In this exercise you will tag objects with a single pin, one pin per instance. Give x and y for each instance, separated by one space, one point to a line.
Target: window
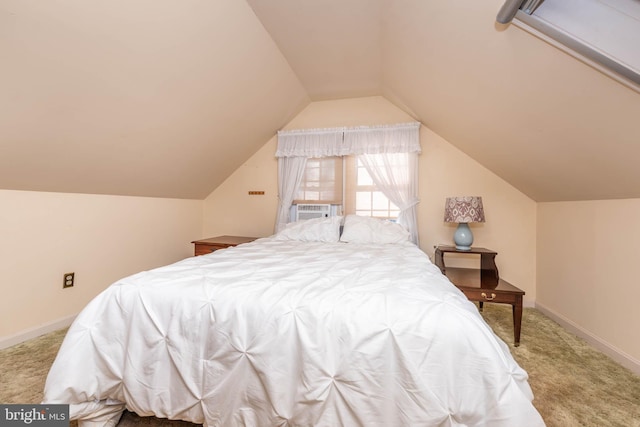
323 182
601 33
390 152
363 197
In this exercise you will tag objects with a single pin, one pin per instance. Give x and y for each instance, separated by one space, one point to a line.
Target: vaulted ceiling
165 98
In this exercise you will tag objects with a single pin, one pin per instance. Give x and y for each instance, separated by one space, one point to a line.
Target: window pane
363 200
363 177
380 201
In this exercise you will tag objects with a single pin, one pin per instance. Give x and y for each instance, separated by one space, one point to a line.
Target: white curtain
294 147
396 175
389 152
290 173
390 155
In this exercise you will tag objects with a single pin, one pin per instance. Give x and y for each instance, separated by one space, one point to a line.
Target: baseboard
616 354
28 334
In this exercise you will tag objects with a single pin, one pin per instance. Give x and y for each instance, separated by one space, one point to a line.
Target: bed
304 328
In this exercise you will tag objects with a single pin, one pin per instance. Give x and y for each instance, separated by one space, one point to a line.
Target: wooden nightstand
483 284
212 244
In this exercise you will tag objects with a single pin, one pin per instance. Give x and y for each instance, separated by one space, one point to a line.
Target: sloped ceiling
136 97
164 98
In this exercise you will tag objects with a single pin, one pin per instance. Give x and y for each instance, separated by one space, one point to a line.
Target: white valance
310 143
399 138
403 138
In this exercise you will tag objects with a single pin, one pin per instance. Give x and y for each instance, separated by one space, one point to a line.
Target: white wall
100 238
229 209
587 254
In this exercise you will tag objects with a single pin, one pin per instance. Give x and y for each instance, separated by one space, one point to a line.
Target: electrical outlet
68 280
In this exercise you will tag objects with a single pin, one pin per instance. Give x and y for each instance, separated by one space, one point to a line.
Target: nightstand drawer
488 295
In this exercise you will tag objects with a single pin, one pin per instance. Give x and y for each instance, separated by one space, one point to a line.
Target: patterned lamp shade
464 209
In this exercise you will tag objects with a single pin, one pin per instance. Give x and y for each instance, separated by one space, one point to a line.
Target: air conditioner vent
310 211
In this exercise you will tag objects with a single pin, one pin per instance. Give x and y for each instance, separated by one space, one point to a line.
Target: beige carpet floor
574 385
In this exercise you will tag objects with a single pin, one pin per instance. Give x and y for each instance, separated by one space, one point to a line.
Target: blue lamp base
463 237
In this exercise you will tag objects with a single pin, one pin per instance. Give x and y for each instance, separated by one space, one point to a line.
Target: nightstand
212 244
483 284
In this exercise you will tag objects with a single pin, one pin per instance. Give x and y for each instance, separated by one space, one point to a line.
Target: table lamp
463 210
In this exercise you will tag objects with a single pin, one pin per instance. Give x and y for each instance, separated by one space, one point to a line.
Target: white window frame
390 212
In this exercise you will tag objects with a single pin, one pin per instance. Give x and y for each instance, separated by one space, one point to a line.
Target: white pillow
363 229
312 230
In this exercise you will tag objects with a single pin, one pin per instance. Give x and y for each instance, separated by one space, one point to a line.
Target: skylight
604 33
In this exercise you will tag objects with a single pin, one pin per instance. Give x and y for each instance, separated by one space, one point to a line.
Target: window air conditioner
304 211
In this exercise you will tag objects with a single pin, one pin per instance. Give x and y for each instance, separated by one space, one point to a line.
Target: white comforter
287 333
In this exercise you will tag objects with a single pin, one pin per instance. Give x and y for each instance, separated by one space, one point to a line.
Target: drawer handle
483 295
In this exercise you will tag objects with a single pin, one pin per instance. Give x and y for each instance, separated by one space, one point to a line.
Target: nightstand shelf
212 244
483 284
